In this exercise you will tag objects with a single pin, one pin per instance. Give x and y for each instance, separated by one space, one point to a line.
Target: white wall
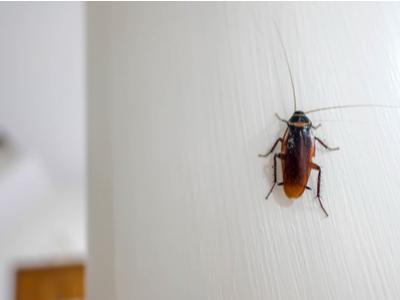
182 99
42 174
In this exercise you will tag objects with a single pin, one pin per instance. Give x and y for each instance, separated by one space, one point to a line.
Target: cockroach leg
318 168
325 145
280 119
308 188
272 149
316 127
277 155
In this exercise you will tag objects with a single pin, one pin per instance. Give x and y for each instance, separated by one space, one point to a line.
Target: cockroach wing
297 151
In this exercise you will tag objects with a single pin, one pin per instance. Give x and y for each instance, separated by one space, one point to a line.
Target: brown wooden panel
62 282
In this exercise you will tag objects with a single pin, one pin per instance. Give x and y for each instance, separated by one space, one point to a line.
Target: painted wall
182 99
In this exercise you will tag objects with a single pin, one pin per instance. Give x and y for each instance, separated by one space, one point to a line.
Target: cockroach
298 146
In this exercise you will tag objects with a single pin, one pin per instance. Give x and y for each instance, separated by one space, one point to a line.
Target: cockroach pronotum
298 146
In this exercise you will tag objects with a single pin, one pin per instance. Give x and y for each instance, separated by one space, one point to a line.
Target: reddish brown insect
298 147
297 152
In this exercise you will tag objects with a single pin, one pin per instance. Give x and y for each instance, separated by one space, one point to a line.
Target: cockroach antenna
288 65
351 106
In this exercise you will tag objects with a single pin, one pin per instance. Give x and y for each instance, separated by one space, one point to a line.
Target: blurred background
42 157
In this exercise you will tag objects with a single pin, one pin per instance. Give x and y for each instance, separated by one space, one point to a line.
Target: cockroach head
299 119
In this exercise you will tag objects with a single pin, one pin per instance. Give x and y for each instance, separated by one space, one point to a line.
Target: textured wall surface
189 93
